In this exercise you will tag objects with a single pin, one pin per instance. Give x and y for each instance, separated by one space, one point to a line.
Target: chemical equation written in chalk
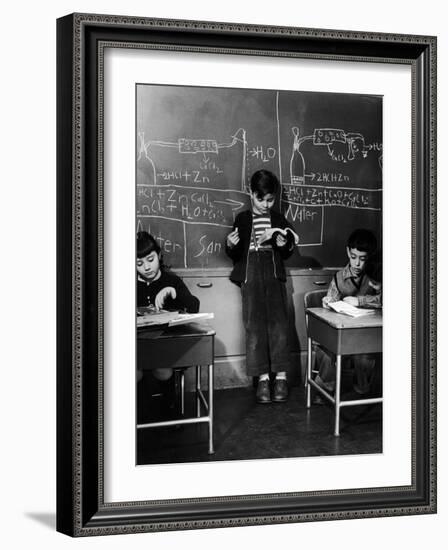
190 204
193 187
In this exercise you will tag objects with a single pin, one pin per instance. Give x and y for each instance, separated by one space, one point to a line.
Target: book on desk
150 317
348 309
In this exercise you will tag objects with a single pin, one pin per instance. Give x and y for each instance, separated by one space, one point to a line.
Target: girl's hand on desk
352 300
163 295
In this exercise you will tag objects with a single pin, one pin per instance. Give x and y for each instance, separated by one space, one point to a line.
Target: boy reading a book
259 242
354 285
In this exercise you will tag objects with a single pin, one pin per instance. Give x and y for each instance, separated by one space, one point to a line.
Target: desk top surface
342 321
181 331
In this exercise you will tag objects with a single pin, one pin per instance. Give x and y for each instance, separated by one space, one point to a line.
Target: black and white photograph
258 273
246 275
222 301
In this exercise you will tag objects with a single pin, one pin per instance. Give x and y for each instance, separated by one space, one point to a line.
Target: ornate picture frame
81 507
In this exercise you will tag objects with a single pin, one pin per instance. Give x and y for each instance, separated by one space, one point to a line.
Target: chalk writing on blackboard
190 188
299 193
188 146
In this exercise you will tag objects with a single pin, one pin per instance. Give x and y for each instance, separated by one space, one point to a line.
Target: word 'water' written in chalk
172 242
187 204
168 246
332 196
301 214
309 222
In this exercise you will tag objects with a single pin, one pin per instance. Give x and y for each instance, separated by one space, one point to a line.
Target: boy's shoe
364 392
280 391
317 399
263 394
327 386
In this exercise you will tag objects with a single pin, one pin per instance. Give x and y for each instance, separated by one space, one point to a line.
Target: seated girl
158 287
155 284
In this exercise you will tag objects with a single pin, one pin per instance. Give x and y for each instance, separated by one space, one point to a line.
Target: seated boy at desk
158 287
355 285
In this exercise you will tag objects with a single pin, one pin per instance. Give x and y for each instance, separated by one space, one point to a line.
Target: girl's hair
263 183
363 240
146 244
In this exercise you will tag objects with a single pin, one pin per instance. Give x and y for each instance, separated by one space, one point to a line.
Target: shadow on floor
244 430
48 519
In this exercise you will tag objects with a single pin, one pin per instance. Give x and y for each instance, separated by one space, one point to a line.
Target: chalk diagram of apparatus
200 194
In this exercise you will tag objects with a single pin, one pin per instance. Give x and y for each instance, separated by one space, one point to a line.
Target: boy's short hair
263 183
146 244
363 240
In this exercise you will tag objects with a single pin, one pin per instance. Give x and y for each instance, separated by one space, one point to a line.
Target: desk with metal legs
179 348
342 335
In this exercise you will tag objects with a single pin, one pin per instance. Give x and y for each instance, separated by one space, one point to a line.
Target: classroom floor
246 430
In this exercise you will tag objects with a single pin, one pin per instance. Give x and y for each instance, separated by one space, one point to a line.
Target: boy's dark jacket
239 252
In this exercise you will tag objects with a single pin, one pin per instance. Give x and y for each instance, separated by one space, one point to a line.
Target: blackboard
197 147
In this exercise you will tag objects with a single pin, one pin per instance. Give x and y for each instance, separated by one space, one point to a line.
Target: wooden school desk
181 347
342 335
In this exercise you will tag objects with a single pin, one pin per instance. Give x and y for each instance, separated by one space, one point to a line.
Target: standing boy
259 242
356 287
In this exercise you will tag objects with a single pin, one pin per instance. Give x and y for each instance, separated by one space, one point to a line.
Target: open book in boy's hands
288 233
347 309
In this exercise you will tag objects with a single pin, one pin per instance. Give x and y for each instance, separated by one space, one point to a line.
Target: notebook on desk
149 317
347 309
183 318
